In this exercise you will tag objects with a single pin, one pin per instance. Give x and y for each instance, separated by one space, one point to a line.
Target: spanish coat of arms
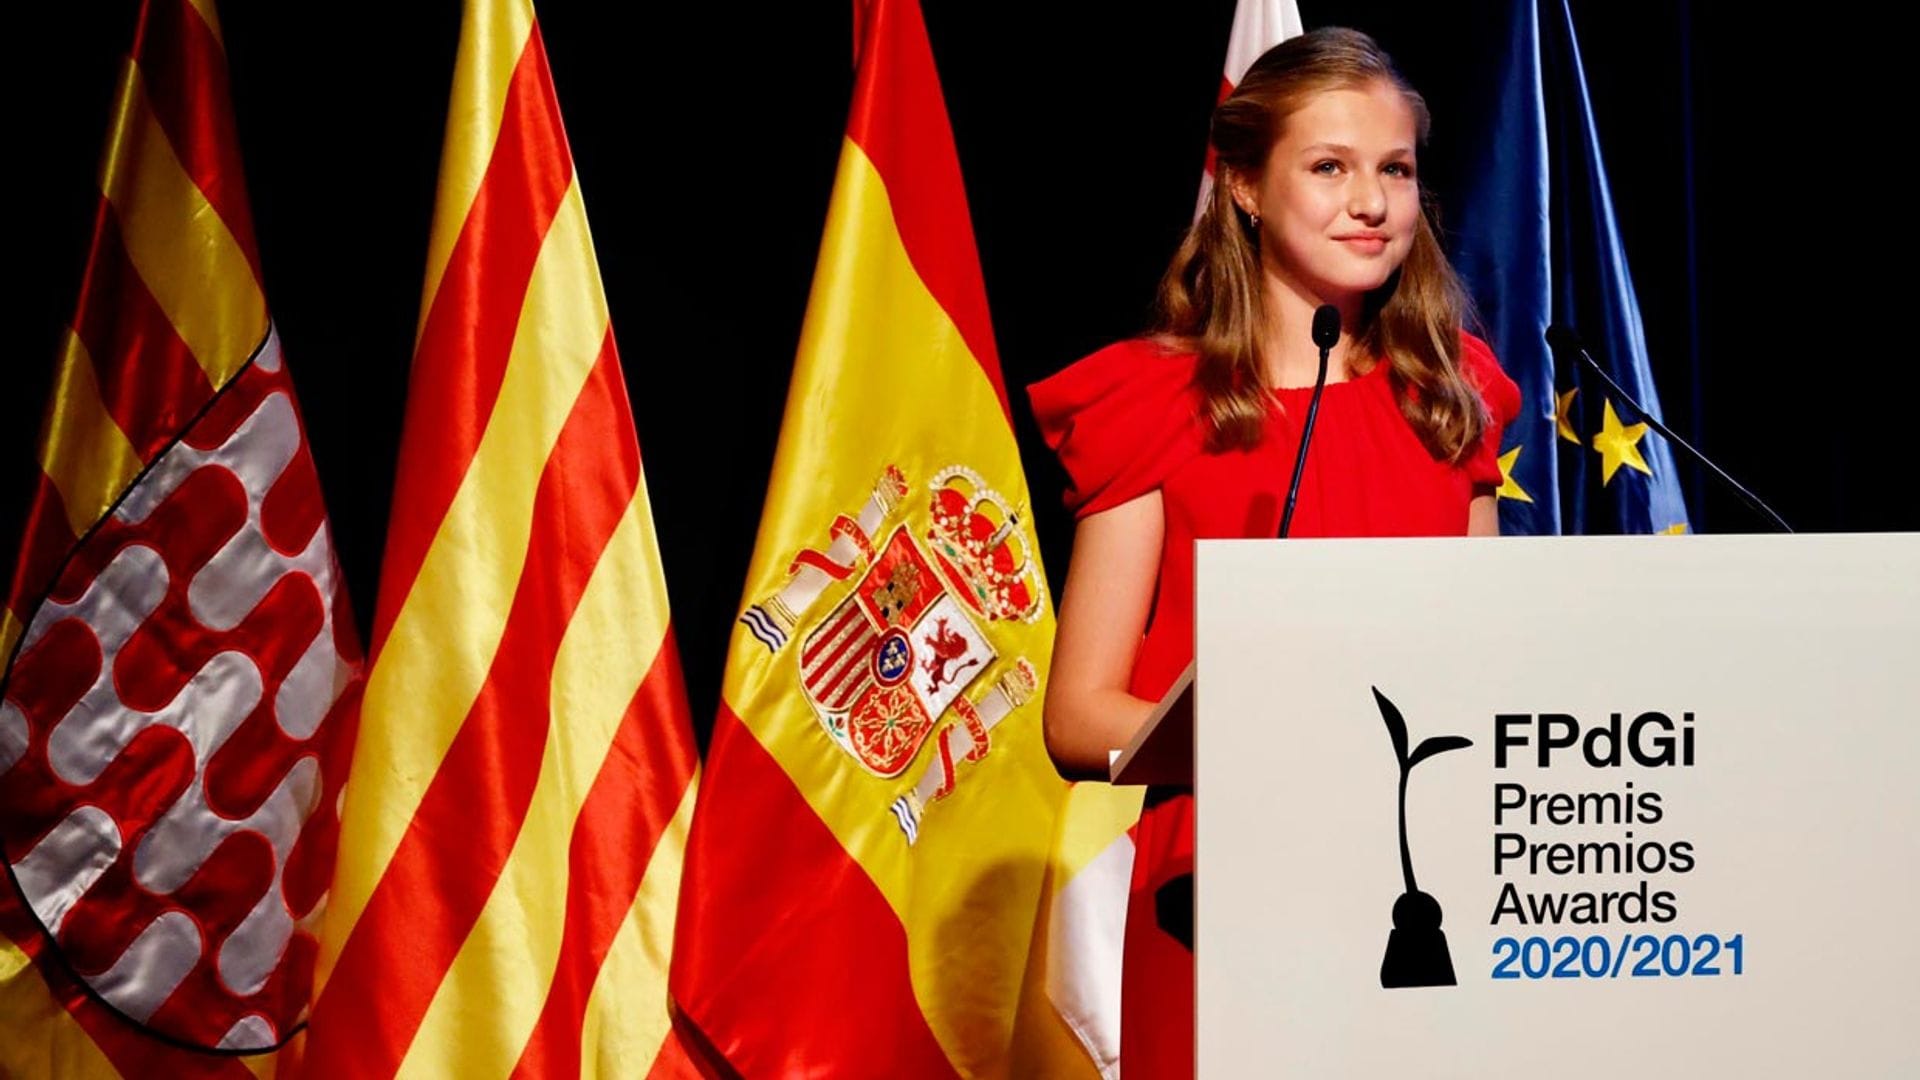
892 664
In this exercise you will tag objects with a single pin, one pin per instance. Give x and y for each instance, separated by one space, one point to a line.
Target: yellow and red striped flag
182 673
866 861
511 840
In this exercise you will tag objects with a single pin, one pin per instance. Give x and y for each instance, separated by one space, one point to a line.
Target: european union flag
1538 244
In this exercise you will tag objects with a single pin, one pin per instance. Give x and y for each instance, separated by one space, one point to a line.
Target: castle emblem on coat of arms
906 654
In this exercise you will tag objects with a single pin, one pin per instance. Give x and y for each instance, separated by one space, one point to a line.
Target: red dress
1125 421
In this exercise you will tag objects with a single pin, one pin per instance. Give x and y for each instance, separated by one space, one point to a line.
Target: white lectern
1571 807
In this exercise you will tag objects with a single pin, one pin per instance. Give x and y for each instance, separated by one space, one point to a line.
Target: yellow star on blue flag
1563 417
1509 487
1618 444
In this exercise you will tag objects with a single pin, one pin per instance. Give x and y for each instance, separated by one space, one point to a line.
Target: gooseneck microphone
1326 334
1563 339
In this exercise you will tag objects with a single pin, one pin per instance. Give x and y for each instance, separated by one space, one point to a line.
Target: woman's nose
1367 199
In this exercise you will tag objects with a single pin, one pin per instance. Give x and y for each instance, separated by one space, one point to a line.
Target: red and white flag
1258 25
182 670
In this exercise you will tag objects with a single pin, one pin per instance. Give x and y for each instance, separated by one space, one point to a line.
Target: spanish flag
512 834
874 826
181 669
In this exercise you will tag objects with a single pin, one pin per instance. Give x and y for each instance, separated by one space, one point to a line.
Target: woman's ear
1242 189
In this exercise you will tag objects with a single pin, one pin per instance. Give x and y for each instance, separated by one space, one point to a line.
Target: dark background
1756 167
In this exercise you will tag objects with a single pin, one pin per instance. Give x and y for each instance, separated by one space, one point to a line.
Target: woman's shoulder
1482 368
1502 397
1121 419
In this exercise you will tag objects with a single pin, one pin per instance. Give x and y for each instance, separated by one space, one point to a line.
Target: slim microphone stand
1306 437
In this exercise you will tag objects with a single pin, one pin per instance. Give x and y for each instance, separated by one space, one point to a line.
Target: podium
1566 806
1161 752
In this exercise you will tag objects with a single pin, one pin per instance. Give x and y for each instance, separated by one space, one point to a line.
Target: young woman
1192 432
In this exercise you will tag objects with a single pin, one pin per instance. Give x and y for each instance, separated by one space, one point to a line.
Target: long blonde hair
1211 299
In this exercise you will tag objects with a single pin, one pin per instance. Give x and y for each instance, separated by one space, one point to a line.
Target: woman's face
1338 200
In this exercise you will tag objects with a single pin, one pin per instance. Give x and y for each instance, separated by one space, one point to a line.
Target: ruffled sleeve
1121 420
1502 398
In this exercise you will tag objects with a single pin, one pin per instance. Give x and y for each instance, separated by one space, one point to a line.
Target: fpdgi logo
1417 948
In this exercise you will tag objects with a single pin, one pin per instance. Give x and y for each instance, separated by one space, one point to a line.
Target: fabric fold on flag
511 846
182 673
1538 243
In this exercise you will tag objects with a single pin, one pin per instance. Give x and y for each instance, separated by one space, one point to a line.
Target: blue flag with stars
1538 244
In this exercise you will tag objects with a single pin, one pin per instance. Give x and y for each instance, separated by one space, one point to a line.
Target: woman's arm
1103 613
1483 516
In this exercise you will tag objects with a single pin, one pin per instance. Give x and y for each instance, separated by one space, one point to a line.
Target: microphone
1562 339
1326 334
1326 327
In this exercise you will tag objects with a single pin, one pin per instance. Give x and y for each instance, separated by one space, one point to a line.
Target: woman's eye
1399 168
1326 168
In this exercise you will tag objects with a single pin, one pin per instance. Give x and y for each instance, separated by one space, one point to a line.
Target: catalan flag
182 672
511 839
866 863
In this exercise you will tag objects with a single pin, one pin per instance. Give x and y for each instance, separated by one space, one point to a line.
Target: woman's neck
1287 352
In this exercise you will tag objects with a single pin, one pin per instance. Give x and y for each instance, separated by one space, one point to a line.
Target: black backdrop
1754 165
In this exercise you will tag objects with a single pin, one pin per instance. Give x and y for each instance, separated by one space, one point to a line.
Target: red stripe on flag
900 120
819 681
828 635
185 71
633 799
48 538
469 329
674 1062
846 695
149 381
458 841
128 1047
853 666
761 865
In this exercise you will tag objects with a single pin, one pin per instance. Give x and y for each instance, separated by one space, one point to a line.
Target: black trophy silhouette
1417 948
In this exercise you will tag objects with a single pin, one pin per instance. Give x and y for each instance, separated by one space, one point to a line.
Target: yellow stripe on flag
437 655
1095 815
10 629
212 19
880 354
83 450
41 1037
185 254
490 50
627 1017
491 997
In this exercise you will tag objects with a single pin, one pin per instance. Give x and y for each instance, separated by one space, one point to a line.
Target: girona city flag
866 861
181 669
511 840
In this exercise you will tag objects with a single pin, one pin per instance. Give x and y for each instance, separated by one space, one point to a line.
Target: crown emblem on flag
895 626
980 546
